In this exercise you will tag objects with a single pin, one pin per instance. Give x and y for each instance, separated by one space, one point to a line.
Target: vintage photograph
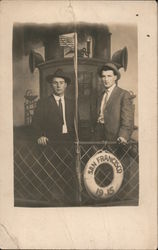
75 114
78 100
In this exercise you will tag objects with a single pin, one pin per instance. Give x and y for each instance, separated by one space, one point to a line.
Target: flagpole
78 165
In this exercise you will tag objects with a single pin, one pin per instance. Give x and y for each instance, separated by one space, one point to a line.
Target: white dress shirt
105 96
57 98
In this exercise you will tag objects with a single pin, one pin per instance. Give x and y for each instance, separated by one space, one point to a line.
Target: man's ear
115 77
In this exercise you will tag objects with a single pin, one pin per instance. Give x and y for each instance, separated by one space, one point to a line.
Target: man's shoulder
122 91
69 99
44 102
45 99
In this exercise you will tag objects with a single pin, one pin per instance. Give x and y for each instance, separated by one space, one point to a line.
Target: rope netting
47 176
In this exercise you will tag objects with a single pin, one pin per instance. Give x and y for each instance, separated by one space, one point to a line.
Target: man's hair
105 68
58 77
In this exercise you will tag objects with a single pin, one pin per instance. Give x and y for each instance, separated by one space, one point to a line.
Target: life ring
103 159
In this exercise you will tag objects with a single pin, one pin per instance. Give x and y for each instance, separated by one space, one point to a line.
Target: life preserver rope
106 158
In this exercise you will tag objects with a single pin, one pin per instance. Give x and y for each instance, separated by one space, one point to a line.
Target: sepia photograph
78 112
75 115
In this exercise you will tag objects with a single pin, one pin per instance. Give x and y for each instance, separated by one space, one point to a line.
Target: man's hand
42 140
121 140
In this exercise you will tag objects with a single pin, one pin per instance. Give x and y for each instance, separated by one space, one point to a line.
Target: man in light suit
114 108
54 116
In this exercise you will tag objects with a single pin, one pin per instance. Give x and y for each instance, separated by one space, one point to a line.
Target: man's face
58 86
108 78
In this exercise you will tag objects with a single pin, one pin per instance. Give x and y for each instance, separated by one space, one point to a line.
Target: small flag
67 40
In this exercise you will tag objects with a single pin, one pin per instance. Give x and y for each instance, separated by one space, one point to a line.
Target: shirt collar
57 98
111 88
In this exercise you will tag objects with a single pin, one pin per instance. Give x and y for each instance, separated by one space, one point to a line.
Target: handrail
105 142
19 141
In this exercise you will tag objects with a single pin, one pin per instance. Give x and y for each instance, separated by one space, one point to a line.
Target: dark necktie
61 111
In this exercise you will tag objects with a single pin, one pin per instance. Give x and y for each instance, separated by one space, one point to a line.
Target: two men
54 116
115 109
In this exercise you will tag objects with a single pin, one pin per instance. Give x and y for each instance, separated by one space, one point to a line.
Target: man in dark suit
114 108
54 116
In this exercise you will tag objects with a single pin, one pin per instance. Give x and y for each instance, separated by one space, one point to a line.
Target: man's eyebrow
107 75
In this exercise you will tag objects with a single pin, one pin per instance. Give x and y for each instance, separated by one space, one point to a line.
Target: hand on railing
42 140
121 140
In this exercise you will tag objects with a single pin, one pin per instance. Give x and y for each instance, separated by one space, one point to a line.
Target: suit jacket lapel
53 105
112 96
99 102
68 109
